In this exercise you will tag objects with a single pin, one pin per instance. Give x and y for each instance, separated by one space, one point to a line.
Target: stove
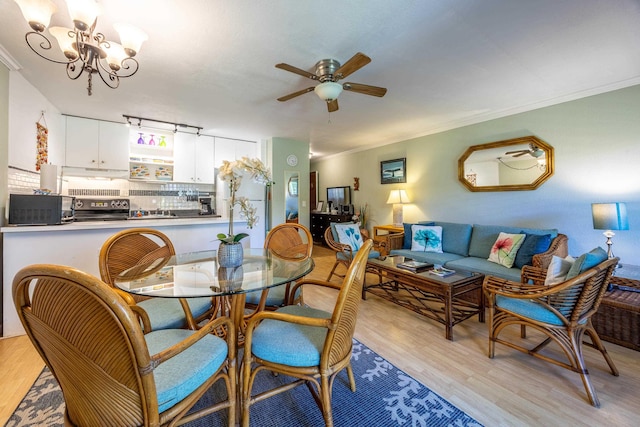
101 209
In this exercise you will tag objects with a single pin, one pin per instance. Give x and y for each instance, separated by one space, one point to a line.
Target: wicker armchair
562 312
345 254
289 241
139 246
305 343
111 373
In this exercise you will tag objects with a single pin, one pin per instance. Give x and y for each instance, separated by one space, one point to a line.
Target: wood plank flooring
512 389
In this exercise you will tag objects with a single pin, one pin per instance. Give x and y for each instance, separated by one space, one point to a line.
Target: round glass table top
197 274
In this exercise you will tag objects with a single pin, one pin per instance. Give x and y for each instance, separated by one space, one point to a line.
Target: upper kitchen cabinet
194 159
234 149
96 144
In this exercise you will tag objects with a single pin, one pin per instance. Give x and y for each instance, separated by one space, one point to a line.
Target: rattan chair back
93 344
290 241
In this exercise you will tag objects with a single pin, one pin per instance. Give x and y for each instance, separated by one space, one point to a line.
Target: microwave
40 209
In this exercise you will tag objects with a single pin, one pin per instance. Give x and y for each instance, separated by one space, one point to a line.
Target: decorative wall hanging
356 183
42 142
393 171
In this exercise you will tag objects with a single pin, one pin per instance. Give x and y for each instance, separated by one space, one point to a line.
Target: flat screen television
339 196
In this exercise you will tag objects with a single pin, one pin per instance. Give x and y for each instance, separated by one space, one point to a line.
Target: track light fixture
84 48
175 125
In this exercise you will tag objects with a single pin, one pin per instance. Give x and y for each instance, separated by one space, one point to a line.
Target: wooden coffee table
448 300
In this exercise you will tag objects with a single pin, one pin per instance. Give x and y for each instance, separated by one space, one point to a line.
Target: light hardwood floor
512 389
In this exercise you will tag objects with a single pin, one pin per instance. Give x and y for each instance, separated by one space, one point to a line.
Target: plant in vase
360 217
230 251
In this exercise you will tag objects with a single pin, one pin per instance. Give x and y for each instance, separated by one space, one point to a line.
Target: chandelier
85 49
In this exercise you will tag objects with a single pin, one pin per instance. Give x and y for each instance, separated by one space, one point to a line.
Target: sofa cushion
533 244
485 267
505 248
426 238
430 257
406 243
455 237
587 261
484 236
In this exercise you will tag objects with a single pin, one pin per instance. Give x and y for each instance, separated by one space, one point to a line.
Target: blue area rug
385 396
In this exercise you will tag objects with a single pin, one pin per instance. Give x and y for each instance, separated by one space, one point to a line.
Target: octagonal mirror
512 165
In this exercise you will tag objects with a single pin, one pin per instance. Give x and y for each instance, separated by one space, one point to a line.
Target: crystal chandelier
84 48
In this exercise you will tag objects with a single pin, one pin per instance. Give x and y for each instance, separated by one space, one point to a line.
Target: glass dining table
197 274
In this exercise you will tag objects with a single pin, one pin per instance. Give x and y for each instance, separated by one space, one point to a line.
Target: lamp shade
328 91
37 12
398 196
609 216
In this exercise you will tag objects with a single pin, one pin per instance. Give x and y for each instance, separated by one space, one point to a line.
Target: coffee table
448 300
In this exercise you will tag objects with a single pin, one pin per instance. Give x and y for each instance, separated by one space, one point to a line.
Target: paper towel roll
49 178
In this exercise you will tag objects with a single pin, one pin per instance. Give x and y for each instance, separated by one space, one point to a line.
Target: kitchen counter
78 245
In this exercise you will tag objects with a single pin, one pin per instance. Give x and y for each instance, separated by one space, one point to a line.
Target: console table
321 220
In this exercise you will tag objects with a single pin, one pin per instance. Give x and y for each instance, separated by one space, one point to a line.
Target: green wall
597 151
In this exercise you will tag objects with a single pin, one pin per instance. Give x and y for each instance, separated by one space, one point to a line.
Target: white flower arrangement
232 172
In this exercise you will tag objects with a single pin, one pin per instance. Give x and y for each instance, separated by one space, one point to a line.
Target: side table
382 233
618 317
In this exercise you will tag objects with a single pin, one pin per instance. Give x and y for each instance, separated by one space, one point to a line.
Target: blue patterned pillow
425 238
349 234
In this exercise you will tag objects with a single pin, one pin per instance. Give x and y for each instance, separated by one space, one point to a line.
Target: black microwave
40 209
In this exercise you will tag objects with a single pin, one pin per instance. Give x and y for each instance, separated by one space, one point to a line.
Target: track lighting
175 125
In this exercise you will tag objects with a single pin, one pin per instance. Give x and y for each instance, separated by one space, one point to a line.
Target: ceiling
445 63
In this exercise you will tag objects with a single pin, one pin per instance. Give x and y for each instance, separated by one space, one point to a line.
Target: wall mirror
291 196
512 165
292 186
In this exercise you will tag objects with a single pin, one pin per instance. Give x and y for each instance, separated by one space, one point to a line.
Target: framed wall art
393 171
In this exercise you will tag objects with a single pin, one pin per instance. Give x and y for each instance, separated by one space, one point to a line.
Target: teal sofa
467 247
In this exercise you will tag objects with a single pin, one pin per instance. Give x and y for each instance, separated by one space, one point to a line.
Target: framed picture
393 171
320 205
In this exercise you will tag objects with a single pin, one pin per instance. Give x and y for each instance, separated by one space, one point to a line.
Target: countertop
93 225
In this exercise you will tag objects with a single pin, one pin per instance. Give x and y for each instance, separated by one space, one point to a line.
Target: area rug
385 396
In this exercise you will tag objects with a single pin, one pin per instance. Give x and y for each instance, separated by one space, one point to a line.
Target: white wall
597 159
26 105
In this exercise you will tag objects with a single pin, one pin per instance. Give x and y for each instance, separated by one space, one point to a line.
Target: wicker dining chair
109 371
345 255
562 312
289 241
139 246
305 343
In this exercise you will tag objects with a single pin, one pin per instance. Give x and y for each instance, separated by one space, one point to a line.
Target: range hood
68 171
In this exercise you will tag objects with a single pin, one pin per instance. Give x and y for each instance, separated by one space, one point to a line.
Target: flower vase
230 254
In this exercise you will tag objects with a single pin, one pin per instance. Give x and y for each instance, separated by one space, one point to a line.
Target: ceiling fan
533 150
328 72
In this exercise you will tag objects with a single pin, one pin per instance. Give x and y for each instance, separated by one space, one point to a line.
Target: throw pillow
426 238
349 234
558 269
587 261
533 244
406 243
505 248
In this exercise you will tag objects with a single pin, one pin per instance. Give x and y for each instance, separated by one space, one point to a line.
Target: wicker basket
618 318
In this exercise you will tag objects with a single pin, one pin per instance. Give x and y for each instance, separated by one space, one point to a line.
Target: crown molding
8 60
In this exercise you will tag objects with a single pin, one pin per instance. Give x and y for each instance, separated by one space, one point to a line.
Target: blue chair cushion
529 309
182 374
167 313
343 257
533 244
288 343
275 297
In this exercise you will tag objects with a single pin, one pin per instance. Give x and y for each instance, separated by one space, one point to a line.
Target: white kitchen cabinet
234 149
96 144
194 158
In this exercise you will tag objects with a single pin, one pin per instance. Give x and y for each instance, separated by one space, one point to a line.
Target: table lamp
609 216
397 198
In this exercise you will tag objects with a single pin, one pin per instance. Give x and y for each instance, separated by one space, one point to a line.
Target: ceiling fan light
37 12
328 91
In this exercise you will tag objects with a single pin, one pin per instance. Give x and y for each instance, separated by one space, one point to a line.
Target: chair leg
352 379
325 399
576 348
597 343
333 270
492 342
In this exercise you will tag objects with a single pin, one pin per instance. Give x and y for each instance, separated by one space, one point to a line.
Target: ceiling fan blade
356 62
296 70
294 94
517 152
332 106
365 89
521 154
